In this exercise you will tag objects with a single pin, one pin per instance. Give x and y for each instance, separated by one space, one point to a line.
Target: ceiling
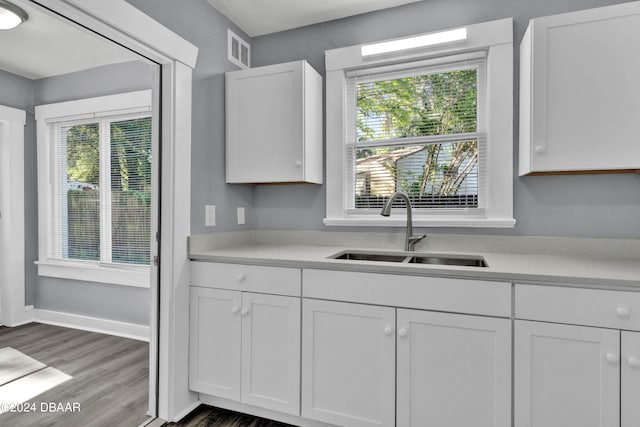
260 17
46 46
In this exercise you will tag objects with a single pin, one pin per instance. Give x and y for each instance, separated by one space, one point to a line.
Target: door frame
170 398
12 238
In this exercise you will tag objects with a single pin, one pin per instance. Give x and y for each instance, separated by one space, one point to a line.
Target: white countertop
597 263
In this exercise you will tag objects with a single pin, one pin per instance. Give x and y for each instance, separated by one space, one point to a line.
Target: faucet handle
415 239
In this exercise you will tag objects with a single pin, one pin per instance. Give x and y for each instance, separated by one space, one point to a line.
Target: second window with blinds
98 189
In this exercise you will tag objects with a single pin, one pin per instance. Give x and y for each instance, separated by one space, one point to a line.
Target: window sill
113 274
401 221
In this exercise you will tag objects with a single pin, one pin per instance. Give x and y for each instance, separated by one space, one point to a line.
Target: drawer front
427 293
590 307
250 278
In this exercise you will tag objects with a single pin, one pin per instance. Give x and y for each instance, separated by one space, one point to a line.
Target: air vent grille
239 51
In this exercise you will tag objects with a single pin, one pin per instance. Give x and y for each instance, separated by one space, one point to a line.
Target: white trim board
92 324
12 238
495 38
128 26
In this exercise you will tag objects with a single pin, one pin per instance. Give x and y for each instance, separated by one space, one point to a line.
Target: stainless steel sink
463 261
365 256
413 258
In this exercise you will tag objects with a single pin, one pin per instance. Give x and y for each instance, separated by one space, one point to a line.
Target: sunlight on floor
22 378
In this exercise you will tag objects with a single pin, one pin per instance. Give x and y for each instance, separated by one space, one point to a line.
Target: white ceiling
260 17
46 46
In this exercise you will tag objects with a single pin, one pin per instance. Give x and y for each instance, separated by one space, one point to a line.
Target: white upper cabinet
274 124
580 92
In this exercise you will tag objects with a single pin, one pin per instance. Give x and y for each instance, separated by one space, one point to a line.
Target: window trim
48 117
496 38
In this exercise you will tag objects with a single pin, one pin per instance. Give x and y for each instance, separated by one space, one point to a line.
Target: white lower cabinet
246 347
447 369
630 379
348 363
577 357
215 342
566 376
453 370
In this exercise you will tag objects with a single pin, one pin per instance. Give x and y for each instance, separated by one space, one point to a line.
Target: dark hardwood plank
110 376
208 416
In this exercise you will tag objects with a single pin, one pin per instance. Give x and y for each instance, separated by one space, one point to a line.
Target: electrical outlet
209 215
240 215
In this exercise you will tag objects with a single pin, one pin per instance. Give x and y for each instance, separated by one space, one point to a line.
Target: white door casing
12 238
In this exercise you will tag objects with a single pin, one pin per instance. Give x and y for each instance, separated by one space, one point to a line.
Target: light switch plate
240 215
209 215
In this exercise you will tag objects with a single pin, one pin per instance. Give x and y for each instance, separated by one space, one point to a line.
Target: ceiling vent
239 51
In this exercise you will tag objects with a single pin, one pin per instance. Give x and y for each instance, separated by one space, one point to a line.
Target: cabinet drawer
591 307
251 278
427 293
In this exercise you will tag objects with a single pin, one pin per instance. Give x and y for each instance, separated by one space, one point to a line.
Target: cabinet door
584 89
271 352
348 363
265 135
214 354
630 377
453 370
566 375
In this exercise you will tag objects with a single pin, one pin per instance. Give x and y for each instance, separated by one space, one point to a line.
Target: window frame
475 60
49 118
495 38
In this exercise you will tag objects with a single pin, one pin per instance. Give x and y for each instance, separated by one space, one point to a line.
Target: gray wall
113 302
16 91
121 303
579 206
98 81
202 25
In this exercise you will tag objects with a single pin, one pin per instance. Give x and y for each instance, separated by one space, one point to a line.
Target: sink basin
365 256
463 261
413 258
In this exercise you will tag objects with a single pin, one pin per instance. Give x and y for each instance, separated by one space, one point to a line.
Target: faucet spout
410 240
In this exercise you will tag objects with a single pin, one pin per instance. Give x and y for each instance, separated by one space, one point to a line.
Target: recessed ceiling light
11 15
414 42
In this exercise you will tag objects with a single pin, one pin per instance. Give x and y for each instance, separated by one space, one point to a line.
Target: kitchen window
95 176
434 122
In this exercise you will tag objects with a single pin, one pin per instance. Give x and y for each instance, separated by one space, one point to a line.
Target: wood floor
207 416
109 377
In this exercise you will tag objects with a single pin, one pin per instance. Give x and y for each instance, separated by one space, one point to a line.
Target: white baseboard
24 318
92 324
269 414
186 411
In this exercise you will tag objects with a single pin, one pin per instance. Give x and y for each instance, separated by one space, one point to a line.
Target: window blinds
130 190
417 130
78 196
102 201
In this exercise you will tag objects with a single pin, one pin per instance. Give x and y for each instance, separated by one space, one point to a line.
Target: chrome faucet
410 240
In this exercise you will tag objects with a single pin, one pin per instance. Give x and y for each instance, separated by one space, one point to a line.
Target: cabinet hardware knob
402 332
241 277
388 330
540 149
623 312
235 309
244 311
612 358
634 362
298 163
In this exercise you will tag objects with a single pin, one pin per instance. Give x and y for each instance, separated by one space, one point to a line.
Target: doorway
61 63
